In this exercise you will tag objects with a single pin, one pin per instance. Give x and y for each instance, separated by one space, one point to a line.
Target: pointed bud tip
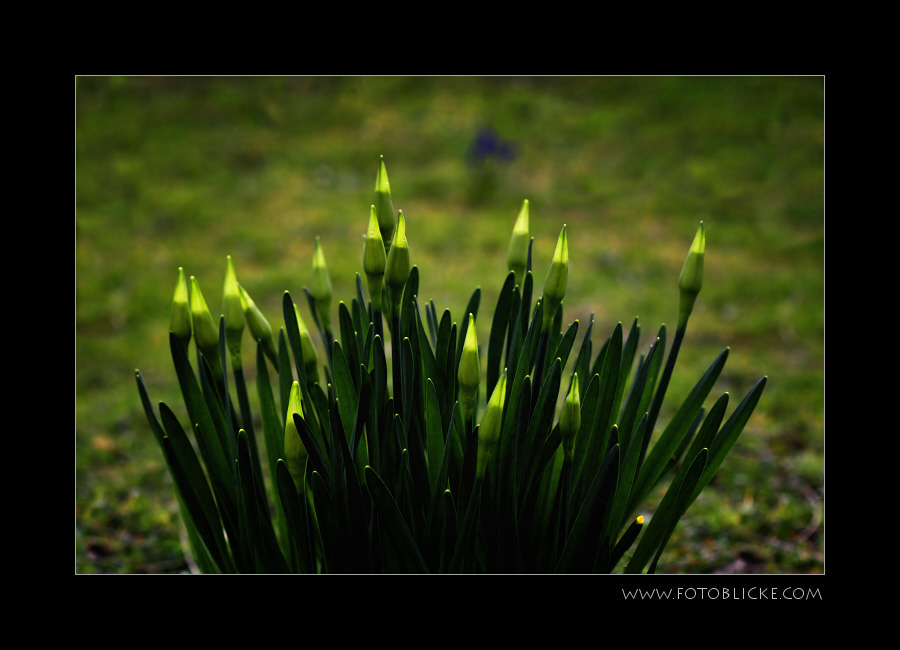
699 243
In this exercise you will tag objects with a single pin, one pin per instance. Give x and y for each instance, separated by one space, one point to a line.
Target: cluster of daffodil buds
375 481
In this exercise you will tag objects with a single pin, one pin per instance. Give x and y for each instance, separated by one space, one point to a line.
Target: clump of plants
405 444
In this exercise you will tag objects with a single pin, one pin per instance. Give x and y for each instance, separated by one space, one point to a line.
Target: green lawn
180 172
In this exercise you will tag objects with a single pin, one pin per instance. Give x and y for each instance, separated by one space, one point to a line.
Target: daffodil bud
321 286
384 207
374 260
691 279
489 430
396 271
517 257
308 348
294 451
206 334
258 325
234 314
557 279
469 374
180 318
570 418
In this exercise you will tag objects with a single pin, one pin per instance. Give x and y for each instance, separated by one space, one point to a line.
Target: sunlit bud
396 271
234 314
308 348
180 319
557 279
489 430
384 207
294 451
691 279
374 260
258 325
206 334
570 418
469 371
517 257
321 286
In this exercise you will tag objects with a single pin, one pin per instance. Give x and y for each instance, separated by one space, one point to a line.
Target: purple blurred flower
487 144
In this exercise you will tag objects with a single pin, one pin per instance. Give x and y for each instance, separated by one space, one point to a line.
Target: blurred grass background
182 171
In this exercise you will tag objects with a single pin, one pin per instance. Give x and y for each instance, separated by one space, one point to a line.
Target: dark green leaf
332 541
623 545
657 459
393 524
211 447
728 435
627 470
498 332
285 374
293 511
448 536
351 346
195 490
293 334
681 503
434 445
410 291
197 517
316 456
583 361
579 554
344 387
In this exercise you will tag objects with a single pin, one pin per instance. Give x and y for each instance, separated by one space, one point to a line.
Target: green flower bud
469 371
234 314
294 451
396 270
374 260
308 348
557 279
321 286
489 430
384 207
180 319
206 334
259 326
517 257
691 279
570 418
